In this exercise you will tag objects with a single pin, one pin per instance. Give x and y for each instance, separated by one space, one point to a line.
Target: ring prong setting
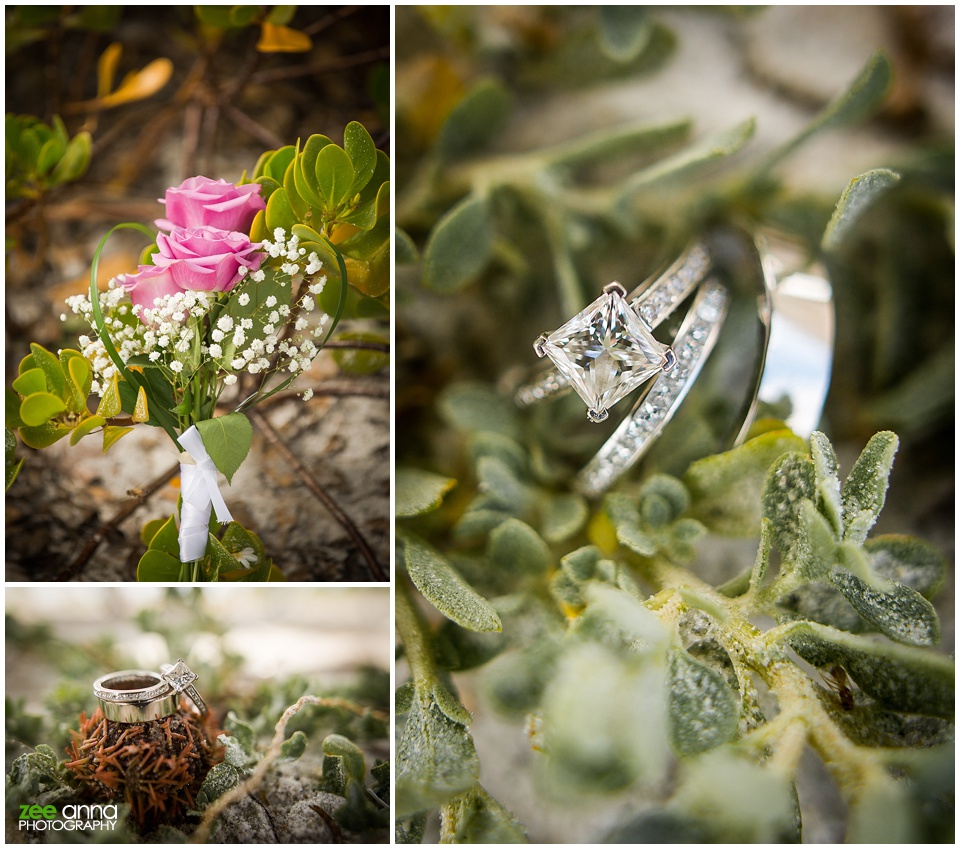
597 414
669 359
539 343
615 289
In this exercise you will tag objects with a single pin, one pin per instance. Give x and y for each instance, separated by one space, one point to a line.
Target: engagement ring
137 695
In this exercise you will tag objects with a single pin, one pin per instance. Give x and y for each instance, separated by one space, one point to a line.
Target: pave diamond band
608 349
138 695
637 432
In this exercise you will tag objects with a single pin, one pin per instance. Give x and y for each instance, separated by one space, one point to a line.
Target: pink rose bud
202 202
150 283
207 259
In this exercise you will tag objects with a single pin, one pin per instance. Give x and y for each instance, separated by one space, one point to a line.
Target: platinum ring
134 695
180 678
636 433
607 350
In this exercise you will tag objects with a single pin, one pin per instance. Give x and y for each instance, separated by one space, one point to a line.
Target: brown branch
122 515
311 483
275 75
330 20
255 129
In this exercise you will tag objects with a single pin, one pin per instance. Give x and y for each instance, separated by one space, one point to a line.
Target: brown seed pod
156 767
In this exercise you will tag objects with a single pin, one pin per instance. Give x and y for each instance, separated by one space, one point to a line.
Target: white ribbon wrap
199 489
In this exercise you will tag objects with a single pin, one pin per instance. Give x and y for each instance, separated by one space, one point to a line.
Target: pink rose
150 283
202 202
207 259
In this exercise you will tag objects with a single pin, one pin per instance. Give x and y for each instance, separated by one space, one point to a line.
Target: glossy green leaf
50 154
111 434
75 160
12 465
334 176
12 403
37 409
80 382
30 382
227 440
87 425
445 589
279 213
42 358
459 246
726 488
703 710
436 759
419 492
158 566
305 171
44 435
362 152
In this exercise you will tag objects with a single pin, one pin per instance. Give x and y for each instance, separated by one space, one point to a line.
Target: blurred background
167 93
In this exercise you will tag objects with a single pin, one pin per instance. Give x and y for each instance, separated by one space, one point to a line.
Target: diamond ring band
607 351
138 695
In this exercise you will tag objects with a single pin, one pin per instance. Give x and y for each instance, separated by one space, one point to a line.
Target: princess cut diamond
179 676
605 351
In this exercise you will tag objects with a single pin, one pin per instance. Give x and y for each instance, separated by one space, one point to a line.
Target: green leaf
703 710
279 212
695 156
907 560
442 586
856 199
293 747
11 464
861 99
75 365
219 780
606 144
475 407
405 249
625 31
337 746
158 566
112 433
826 470
726 488
419 492
88 424
815 549
42 358
167 539
476 817
436 759
459 246
37 409
334 175
865 489
564 516
12 411
898 611
479 116
362 152
501 488
789 484
30 382
900 677
75 161
517 549
459 649
44 435
227 440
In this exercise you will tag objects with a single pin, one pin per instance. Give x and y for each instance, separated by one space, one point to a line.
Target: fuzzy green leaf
900 677
789 484
227 440
564 516
445 589
726 488
419 492
501 487
219 780
459 246
476 817
475 407
405 249
907 560
625 31
815 548
436 759
516 548
476 119
865 489
703 710
898 611
855 200
338 746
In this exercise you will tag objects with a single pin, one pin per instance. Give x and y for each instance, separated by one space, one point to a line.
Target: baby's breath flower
307 394
237 363
217 335
215 351
230 379
308 303
257 276
225 323
243 299
176 366
271 301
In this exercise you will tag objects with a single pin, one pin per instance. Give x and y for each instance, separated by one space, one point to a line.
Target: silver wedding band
139 695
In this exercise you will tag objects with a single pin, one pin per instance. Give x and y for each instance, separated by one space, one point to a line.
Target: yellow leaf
110 402
141 412
107 68
136 85
111 434
275 38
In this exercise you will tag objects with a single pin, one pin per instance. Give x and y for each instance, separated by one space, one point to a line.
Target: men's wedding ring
138 695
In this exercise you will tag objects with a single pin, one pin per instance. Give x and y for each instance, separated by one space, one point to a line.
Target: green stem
413 634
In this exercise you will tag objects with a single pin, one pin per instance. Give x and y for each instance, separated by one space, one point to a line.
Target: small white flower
239 337
307 394
270 302
257 276
279 235
290 268
217 335
230 379
246 323
302 324
274 317
216 351
243 300
176 366
154 356
163 341
308 303
238 363
225 323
